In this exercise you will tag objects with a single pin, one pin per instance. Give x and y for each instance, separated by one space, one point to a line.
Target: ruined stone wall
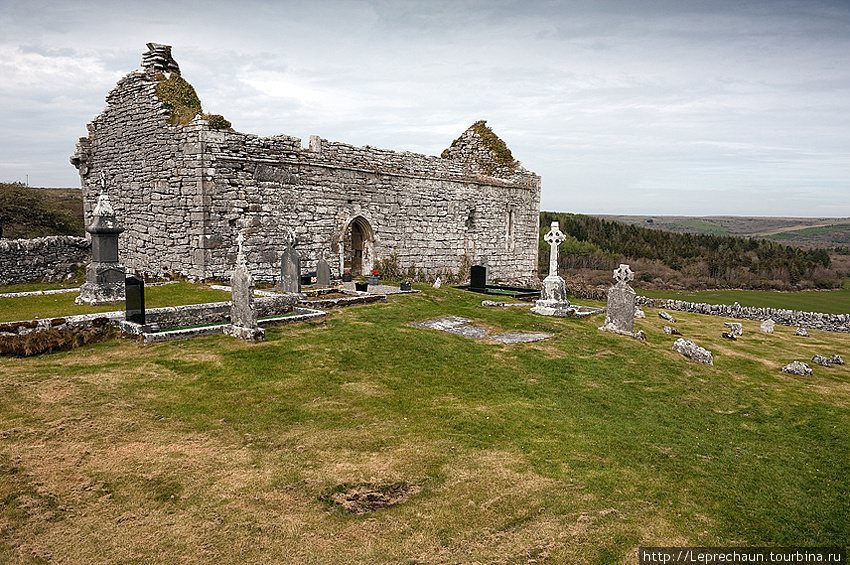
792 318
153 174
427 211
183 193
51 258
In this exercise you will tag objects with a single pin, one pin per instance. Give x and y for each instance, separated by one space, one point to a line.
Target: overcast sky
662 107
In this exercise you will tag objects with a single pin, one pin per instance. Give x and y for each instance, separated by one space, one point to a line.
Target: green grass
577 449
54 305
828 302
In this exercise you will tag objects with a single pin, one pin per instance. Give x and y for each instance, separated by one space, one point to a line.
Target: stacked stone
158 58
44 258
189 189
792 318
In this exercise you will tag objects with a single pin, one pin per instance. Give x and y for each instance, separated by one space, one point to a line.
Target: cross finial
240 239
623 274
554 238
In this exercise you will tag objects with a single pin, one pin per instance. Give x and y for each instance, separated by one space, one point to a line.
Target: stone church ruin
184 185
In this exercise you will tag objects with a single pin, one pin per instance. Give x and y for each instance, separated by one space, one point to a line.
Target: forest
594 247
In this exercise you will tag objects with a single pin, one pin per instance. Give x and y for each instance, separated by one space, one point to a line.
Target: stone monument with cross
105 274
620 313
553 297
243 315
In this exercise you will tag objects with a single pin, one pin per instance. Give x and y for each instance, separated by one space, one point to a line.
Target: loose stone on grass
689 349
798 368
821 360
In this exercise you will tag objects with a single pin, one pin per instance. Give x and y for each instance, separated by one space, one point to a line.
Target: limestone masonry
184 192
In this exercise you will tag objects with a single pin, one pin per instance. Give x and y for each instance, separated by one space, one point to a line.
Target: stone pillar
553 297
104 275
620 313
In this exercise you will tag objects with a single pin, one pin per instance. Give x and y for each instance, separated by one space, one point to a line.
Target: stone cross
623 274
554 238
240 239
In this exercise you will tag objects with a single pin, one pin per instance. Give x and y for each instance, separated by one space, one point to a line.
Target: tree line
683 259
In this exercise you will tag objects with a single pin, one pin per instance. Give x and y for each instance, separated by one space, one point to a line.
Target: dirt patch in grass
363 498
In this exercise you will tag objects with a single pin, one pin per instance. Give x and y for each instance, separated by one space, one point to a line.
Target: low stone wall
792 318
49 258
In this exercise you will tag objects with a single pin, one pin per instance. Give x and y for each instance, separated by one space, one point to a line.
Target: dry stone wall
792 318
184 193
50 258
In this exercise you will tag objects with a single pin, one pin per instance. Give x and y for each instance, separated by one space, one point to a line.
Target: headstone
553 296
689 349
821 360
104 275
134 300
243 315
290 268
767 326
639 313
323 274
478 277
836 360
438 283
620 312
802 332
736 329
798 368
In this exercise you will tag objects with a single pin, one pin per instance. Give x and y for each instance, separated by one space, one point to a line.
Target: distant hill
688 260
27 212
798 232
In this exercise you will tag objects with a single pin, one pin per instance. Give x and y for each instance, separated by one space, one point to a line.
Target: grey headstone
767 326
735 328
242 312
836 360
323 274
620 312
134 293
802 332
290 270
243 315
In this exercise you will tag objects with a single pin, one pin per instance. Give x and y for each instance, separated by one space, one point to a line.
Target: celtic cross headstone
553 296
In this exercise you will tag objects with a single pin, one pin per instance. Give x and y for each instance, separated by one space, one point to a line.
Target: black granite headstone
478 277
134 291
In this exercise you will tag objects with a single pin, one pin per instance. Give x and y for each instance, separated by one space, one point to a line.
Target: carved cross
240 239
554 238
623 274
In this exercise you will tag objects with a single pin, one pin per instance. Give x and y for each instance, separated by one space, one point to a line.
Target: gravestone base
553 299
248 334
95 294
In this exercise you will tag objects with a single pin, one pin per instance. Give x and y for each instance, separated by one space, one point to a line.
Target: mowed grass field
577 449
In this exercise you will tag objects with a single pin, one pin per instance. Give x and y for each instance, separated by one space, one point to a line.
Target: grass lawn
577 449
826 301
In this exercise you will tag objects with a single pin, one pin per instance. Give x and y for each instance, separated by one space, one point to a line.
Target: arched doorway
357 247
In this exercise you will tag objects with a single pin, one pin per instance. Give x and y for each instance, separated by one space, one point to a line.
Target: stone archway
357 247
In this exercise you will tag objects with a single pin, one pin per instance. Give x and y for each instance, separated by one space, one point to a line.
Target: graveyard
167 408
362 438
